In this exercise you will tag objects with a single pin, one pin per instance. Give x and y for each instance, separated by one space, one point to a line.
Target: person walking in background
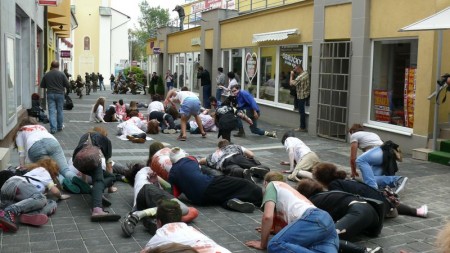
247 103
169 80
205 81
55 82
221 88
301 82
112 79
181 15
100 80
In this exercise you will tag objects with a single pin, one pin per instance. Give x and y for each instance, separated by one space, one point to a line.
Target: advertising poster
409 96
381 104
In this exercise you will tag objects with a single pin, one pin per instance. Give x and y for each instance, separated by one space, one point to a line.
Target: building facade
362 68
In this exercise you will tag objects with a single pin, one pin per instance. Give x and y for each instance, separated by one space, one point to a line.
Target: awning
438 21
278 35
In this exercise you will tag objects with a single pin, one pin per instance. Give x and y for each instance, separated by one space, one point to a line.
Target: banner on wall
409 96
251 66
381 104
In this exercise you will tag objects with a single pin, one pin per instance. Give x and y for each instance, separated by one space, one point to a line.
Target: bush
136 70
151 88
160 86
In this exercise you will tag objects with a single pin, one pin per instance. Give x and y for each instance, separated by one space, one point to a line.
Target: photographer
181 15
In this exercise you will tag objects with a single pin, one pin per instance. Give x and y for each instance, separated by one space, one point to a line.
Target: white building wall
119 40
104 53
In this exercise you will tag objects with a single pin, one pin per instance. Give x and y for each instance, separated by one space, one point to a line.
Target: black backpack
68 103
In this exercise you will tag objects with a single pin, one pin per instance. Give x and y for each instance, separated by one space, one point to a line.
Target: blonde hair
47 163
443 239
274 176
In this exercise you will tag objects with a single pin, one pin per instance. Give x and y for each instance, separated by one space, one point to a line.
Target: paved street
70 229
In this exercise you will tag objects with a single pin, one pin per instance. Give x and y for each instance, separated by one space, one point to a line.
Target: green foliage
160 86
150 19
136 70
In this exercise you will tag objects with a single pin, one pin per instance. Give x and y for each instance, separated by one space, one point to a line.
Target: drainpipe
45 48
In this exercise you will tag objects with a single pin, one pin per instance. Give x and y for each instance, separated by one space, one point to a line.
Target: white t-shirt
182 95
179 232
207 121
366 139
300 148
131 126
40 174
233 82
155 106
140 180
28 135
98 115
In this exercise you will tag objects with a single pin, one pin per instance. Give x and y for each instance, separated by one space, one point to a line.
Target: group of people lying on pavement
324 212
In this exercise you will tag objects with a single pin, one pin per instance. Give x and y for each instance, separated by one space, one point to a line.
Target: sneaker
70 187
138 140
300 130
247 174
400 184
240 206
422 211
374 250
8 220
33 219
129 223
259 172
169 131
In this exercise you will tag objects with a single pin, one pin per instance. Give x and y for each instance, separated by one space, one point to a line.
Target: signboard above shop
156 50
49 2
65 54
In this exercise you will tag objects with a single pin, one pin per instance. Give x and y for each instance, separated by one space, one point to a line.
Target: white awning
278 35
438 21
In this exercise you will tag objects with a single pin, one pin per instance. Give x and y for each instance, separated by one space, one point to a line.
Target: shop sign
409 96
251 66
196 41
49 2
213 4
65 54
381 104
156 50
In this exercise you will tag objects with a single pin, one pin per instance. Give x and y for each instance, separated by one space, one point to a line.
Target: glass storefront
393 82
184 68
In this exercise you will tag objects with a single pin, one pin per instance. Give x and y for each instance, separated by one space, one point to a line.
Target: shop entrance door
334 80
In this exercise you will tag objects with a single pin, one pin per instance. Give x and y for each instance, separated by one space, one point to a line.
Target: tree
151 19
160 86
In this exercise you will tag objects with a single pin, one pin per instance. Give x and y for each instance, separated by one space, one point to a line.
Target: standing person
301 82
88 80
190 106
370 163
205 81
100 79
34 142
181 15
55 82
305 228
169 80
301 158
221 88
247 103
98 137
112 81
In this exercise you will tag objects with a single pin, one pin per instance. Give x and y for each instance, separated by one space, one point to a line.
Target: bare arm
202 161
266 226
248 153
353 152
291 159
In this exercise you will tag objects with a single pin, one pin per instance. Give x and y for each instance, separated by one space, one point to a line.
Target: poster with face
251 65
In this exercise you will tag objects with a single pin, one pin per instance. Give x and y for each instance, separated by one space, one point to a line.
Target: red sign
213 4
48 2
65 53
381 104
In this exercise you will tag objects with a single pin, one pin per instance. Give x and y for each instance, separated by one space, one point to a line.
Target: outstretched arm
353 152
266 226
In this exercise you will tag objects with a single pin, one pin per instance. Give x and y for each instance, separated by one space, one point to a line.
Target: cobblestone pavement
70 229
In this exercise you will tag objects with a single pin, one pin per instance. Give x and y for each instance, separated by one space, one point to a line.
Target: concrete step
4 158
421 153
439 157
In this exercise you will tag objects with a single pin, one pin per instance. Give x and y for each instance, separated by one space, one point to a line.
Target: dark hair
156 97
154 147
231 75
220 69
227 101
309 187
212 99
133 113
168 211
153 127
325 173
184 88
24 122
287 135
133 169
356 128
120 101
172 110
35 96
4 176
223 143
172 248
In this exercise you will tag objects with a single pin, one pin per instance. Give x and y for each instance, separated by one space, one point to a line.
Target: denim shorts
190 106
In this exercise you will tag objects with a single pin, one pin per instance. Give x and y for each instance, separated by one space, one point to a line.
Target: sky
131 8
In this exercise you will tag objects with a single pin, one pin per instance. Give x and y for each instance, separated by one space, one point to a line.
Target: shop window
236 64
393 82
251 68
267 73
289 56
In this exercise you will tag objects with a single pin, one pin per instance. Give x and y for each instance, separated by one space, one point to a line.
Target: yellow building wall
182 41
238 32
209 39
387 18
338 22
88 25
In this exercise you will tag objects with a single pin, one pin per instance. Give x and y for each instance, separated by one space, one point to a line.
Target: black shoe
240 206
150 225
247 174
129 223
259 172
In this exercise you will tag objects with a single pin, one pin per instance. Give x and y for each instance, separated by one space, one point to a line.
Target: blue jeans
219 96
102 85
21 197
313 232
253 128
49 147
55 111
301 111
206 95
370 164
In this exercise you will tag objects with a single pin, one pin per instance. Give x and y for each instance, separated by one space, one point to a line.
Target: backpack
68 103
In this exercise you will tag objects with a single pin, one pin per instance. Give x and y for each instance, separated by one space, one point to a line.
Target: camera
443 79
